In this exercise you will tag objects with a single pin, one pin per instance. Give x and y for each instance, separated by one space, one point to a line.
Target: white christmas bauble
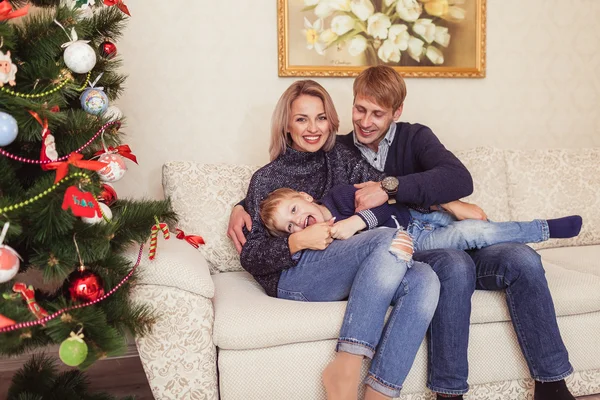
80 57
114 170
112 113
8 129
94 220
9 263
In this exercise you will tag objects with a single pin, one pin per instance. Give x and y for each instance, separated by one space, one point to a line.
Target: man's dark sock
552 391
449 397
565 227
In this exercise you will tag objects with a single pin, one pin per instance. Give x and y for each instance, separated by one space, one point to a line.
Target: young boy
286 211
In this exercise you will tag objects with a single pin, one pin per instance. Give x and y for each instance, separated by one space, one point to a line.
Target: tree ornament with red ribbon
107 49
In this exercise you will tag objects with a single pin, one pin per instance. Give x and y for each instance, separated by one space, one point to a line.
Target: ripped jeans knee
402 246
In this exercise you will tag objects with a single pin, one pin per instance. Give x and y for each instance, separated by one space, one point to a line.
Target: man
422 172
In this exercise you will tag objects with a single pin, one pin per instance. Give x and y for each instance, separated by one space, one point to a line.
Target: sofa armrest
178 355
177 264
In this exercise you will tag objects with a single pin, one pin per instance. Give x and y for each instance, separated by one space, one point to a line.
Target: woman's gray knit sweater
265 256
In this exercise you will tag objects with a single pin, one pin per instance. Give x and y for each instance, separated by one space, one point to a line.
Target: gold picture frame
325 37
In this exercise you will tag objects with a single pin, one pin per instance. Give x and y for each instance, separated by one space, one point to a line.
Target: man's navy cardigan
429 174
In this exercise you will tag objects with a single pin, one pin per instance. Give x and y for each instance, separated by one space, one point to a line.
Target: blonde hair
382 84
281 115
268 208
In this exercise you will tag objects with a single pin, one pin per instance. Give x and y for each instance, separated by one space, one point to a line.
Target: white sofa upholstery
276 349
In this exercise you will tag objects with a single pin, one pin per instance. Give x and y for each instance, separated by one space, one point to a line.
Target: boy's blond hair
268 208
382 84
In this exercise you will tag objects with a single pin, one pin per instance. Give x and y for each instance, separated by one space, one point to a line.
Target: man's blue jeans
439 230
364 270
518 270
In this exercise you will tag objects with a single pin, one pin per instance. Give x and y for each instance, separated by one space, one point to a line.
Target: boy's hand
462 210
314 237
369 195
347 228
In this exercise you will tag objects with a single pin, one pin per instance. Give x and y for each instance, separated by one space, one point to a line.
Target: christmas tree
61 144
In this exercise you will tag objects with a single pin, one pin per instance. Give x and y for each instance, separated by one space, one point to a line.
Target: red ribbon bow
194 240
120 5
62 167
123 150
6 11
43 123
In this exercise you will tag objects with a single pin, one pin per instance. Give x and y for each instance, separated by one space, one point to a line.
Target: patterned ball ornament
9 263
94 101
83 286
115 169
73 350
107 50
80 57
8 129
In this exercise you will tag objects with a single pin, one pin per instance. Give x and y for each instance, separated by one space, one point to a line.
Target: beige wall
203 82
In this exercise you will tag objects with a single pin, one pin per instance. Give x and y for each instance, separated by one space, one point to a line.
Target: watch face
390 183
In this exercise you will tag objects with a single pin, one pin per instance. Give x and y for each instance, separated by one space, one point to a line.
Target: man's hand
369 195
462 210
347 228
238 219
314 237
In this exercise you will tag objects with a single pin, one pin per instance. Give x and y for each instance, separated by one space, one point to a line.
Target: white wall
203 82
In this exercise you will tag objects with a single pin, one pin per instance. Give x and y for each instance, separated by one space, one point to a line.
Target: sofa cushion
203 196
490 191
555 183
246 318
585 259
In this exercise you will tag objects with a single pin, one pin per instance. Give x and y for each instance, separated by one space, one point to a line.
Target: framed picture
420 38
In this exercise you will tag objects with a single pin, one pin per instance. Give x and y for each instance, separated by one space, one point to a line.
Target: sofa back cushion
554 183
488 169
203 196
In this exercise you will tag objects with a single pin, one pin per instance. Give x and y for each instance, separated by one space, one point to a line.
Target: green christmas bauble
73 351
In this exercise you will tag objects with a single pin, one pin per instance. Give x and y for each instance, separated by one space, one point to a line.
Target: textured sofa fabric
277 349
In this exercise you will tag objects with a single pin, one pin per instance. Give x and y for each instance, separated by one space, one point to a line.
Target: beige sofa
219 334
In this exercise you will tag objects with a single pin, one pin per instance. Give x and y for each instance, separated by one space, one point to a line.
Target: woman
363 269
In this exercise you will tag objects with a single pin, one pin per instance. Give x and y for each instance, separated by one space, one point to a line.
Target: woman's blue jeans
439 230
363 270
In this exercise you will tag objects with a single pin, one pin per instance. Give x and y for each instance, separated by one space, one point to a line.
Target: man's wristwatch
390 186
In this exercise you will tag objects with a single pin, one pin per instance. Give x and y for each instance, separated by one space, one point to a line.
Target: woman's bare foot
342 376
372 394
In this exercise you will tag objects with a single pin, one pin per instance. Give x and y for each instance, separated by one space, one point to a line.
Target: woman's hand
369 195
347 228
462 210
237 220
314 237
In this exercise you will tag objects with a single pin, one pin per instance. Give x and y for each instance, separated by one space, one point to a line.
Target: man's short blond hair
382 84
268 208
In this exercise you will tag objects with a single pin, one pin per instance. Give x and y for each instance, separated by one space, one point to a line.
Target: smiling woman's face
308 125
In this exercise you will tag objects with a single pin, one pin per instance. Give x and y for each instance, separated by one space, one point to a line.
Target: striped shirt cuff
369 217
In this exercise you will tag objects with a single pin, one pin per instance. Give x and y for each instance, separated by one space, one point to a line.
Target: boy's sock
449 396
565 227
552 391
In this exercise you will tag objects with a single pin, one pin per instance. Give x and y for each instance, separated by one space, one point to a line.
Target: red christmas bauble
84 286
108 195
108 49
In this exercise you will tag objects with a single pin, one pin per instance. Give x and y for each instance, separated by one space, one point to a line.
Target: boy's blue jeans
364 270
439 230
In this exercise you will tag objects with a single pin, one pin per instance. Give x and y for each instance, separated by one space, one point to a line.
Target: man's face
372 121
